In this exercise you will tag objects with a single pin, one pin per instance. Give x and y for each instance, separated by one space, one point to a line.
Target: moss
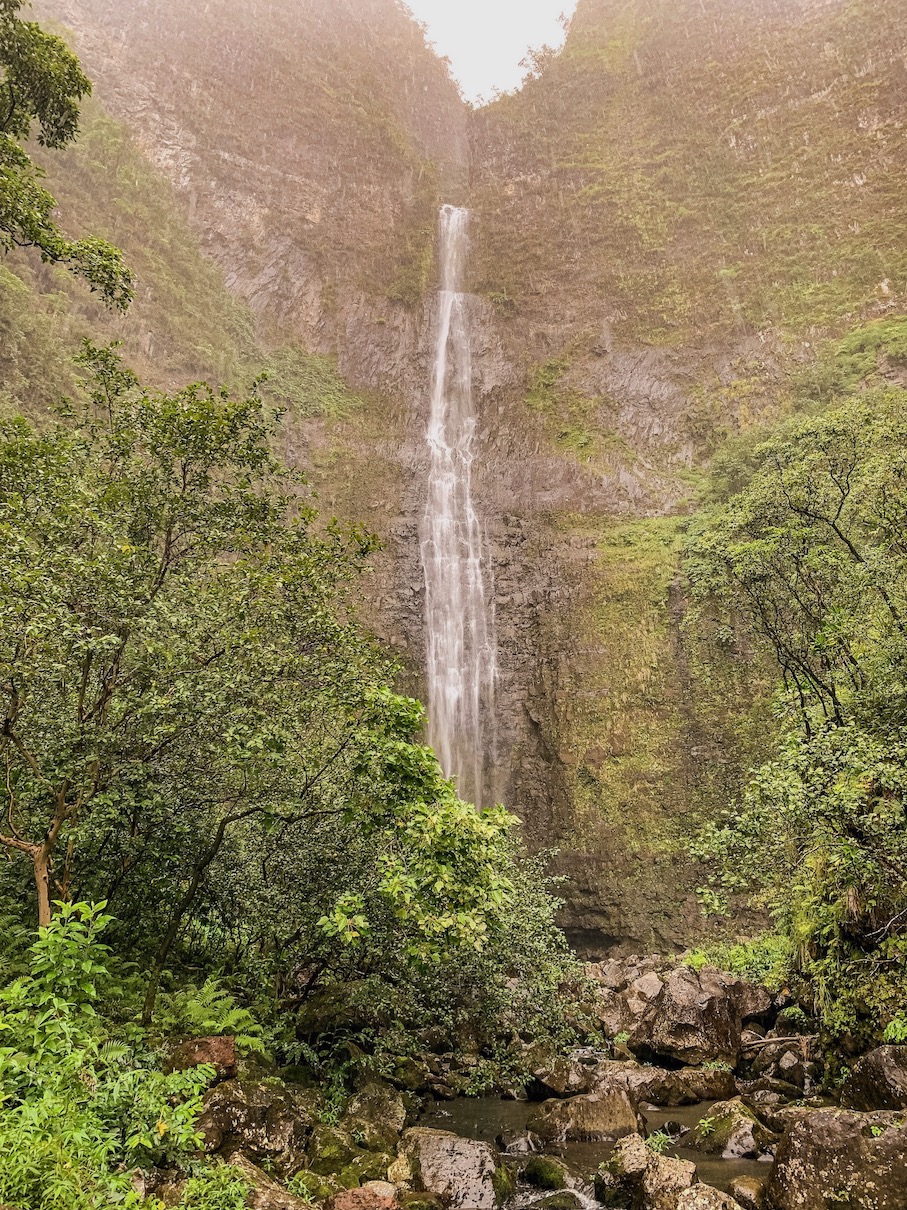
504 1182
545 1173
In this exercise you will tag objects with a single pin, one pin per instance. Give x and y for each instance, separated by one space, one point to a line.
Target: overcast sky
485 39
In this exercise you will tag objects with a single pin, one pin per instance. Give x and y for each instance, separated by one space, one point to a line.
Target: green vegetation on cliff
703 169
807 563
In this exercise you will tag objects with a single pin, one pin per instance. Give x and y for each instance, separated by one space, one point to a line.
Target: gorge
453 610
669 222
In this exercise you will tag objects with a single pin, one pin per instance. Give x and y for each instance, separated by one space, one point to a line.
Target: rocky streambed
706 1097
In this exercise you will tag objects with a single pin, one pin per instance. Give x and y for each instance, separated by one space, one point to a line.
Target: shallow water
486 1118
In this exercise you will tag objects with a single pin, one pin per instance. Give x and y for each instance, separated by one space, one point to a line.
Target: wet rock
376 1116
544 1172
878 1081
658 1086
264 1119
839 1158
566 1076
216 1052
330 1150
376 1195
705 1197
748 1192
518 1142
693 1020
635 1178
598 1117
558 1201
732 1131
265 1194
461 1172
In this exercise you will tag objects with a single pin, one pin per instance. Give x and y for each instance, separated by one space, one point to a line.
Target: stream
486 1118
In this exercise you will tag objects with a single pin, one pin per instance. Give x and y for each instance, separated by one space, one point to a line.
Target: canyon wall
671 219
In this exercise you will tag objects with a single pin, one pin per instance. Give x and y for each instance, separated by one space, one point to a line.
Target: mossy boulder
558 1201
316 1188
368 1166
544 1172
732 1130
330 1150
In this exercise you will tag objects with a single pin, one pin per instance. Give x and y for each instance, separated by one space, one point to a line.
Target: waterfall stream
459 625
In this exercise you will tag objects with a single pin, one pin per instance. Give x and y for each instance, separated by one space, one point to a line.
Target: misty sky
485 39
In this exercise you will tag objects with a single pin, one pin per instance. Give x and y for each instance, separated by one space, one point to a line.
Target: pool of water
486 1118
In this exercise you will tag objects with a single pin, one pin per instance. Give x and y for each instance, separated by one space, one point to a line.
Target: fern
208 1011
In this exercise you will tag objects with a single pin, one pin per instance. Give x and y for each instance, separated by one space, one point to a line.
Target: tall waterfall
458 622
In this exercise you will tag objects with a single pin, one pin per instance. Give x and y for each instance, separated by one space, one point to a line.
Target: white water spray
459 629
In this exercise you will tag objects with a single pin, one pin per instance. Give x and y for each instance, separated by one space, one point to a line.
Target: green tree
195 726
810 563
41 83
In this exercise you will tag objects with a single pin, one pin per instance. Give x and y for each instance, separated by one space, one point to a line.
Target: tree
809 562
42 83
195 726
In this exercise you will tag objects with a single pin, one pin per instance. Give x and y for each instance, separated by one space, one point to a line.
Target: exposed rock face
834 1157
597 1117
459 1171
623 322
878 1081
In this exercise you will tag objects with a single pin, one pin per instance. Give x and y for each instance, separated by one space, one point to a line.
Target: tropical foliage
810 562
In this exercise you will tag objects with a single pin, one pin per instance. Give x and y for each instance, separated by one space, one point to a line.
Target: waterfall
461 657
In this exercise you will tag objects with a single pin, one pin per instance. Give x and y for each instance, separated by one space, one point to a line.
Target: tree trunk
41 861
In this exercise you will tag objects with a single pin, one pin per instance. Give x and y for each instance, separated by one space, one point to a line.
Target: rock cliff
671 217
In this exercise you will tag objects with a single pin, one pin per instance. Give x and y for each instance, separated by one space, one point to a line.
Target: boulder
658 1086
611 1010
544 1172
518 1142
693 1020
376 1195
635 1178
264 1119
216 1052
878 1081
705 1197
376 1116
558 1201
264 1193
836 1158
598 1117
790 1061
566 1076
461 1172
748 1192
732 1131
330 1150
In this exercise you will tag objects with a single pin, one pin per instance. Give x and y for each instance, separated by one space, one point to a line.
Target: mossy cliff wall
671 219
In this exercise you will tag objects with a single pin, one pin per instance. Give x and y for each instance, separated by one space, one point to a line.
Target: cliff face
669 220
